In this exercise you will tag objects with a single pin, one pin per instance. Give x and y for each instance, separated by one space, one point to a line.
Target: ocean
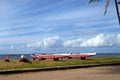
17 56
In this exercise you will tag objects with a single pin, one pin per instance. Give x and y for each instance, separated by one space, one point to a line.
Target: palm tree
106 7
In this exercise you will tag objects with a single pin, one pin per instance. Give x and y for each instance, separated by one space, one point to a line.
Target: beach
94 73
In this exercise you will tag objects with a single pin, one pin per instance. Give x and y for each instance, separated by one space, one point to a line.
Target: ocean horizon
17 56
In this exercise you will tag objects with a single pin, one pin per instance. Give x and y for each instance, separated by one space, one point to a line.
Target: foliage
117 2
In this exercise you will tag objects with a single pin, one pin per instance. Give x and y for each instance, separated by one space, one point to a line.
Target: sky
53 26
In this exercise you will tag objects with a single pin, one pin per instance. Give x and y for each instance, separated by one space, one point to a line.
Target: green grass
15 64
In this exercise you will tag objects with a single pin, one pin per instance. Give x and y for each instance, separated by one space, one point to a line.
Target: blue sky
28 26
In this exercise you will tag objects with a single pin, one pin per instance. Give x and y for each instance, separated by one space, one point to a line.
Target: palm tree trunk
117 10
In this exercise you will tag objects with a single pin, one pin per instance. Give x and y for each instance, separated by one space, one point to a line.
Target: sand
95 73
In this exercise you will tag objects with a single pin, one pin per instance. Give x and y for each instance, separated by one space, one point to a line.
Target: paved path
96 73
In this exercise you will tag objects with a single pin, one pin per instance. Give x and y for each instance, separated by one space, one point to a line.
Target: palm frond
94 1
117 10
106 6
118 2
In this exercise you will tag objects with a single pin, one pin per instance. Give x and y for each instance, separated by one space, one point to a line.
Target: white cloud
74 14
46 42
72 43
100 40
118 39
94 42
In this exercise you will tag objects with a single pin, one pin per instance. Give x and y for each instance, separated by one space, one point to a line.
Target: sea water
17 56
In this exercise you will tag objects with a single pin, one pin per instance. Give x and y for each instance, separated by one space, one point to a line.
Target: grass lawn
16 64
